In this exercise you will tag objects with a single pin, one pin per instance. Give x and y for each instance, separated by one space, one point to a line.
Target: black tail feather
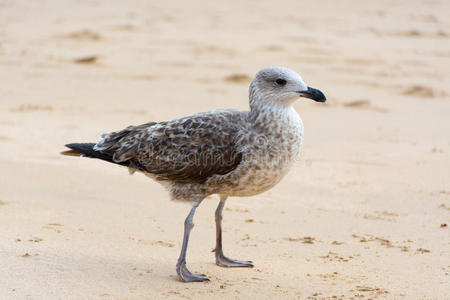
87 149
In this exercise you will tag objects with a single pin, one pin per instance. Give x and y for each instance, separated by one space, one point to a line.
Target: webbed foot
186 275
223 261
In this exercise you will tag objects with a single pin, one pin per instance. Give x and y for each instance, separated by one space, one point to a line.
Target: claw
186 275
223 261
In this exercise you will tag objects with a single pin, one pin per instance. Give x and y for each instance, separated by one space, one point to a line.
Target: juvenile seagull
225 152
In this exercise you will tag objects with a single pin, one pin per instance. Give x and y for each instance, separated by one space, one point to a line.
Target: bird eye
280 81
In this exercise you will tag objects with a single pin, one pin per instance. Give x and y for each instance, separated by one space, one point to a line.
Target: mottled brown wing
185 150
113 142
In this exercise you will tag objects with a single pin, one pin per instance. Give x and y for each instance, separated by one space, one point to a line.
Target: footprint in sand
53 226
368 291
383 242
334 257
238 78
35 240
31 107
304 240
82 35
241 210
162 243
422 92
364 104
87 59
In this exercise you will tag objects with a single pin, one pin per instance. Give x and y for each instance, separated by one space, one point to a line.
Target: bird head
278 86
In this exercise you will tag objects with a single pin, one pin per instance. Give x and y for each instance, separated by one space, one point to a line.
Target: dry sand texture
365 214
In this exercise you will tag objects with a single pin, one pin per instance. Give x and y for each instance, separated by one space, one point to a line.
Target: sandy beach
364 214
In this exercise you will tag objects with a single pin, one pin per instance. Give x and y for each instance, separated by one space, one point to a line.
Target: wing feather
185 150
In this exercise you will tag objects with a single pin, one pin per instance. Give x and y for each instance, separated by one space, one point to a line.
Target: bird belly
257 182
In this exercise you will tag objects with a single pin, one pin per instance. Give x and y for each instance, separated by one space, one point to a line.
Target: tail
87 150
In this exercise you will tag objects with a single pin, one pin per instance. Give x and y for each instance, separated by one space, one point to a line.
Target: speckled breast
268 156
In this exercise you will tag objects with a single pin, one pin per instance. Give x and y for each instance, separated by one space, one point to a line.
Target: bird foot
223 261
186 275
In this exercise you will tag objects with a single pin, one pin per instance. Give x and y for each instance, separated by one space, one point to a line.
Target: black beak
313 94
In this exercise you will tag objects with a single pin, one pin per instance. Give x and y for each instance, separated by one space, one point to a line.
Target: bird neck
270 114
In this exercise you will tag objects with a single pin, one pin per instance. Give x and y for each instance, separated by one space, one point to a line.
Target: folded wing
185 150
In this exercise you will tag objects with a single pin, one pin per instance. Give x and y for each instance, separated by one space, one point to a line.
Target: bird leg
221 259
182 270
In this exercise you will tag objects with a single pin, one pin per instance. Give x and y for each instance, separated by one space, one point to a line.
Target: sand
364 214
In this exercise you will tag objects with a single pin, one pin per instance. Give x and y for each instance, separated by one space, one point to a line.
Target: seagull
231 153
